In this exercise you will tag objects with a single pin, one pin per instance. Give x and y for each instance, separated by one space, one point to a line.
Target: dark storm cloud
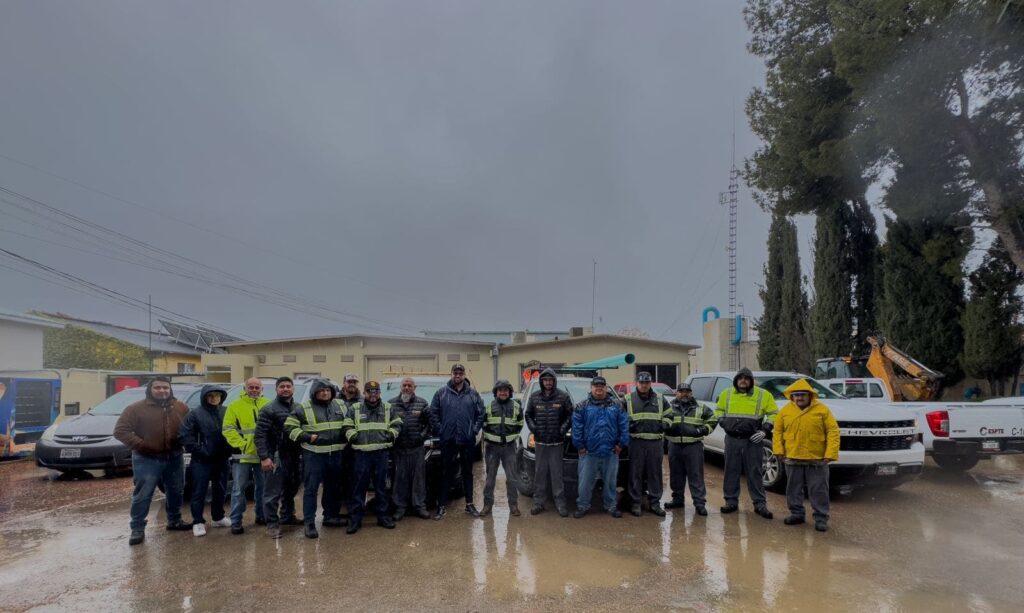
441 164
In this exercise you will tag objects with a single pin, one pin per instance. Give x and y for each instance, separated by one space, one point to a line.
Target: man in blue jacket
600 431
456 416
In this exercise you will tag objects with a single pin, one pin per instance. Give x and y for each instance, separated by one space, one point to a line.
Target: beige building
719 337
380 357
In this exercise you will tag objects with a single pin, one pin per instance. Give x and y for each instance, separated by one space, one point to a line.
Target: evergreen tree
832 313
992 330
782 329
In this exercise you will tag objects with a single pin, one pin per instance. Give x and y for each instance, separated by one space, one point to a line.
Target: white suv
878 445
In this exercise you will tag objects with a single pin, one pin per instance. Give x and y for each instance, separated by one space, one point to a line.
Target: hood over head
212 389
741 372
502 383
319 384
801 385
548 372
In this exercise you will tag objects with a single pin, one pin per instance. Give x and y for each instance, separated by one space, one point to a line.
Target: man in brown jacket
150 429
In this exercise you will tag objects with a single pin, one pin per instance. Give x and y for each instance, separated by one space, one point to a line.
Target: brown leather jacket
151 428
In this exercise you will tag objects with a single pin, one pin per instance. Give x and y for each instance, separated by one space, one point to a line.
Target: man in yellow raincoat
806 439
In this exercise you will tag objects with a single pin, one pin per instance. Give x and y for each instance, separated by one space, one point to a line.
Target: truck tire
525 475
956 463
774 472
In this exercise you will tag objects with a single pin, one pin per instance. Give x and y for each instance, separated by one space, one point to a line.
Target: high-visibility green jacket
239 427
740 415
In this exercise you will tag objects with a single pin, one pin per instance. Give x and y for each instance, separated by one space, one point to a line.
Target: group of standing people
345 439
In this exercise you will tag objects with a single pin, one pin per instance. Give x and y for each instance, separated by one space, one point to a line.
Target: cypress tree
992 332
782 329
832 312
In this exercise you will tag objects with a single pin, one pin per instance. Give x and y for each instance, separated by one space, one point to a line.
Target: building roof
634 340
28 320
306 339
162 343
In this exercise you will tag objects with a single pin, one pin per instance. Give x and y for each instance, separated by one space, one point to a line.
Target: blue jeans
147 472
211 477
242 474
590 467
370 465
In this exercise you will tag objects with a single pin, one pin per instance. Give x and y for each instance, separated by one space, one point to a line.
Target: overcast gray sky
421 164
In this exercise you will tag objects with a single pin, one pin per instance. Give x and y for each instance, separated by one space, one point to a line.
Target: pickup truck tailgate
986 423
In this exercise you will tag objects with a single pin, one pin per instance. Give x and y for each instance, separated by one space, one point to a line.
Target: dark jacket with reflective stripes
271 434
325 419
688 422
503 421
415 418
646 415
372 427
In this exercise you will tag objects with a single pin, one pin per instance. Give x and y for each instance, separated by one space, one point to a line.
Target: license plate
990 445
886 469
71 453
188 460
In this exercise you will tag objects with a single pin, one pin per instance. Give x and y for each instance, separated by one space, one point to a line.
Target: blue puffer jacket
457 416
599 425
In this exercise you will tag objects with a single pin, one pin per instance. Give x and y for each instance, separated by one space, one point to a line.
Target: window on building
288 358
348 358
262 359
185 368
453 357
319 358
663 373
472 357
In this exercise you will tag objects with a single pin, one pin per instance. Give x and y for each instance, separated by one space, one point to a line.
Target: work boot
674 504
292 521
334 522
486 510
764 512
821 526
513 510
236 530
399 514
311 532
657 510
793 520
422 514
635 510
701 511
136 537
615 512
274 531
580 513
536 510
471 510
563 512
199 529
441 512
353 526
179 526
729 508
261 521
386 522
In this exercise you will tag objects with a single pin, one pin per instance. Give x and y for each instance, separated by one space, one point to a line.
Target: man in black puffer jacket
409 490
279 459
549 417
202 438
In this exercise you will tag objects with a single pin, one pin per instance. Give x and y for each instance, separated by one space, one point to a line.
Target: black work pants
453 458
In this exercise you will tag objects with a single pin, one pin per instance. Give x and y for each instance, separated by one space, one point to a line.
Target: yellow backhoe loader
905 378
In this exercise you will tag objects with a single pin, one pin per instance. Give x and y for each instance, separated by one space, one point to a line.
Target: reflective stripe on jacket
503 421
372 428
645 416
327 422
239 427
686 423
740 415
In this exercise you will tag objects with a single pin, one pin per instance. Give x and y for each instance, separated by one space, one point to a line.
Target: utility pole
593 299
150 329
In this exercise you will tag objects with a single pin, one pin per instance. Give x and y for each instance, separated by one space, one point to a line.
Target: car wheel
956 463
774 472
525 474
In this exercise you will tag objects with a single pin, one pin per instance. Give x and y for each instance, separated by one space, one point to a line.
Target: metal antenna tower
729 198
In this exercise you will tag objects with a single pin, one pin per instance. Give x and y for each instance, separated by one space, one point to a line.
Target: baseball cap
371 385
458 366
684 387
598 381
643 377
350 376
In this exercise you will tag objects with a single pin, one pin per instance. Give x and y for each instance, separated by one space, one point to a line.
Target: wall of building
368 357
718 343
169 362
585 349
21 346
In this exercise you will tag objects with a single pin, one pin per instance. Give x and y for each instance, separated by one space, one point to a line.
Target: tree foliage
75 347
992 330
782 330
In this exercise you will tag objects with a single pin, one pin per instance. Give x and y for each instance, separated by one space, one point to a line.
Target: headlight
49 433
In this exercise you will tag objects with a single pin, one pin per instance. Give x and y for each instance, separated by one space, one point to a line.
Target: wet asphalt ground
946 542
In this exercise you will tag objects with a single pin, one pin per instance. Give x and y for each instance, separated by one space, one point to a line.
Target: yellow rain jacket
805 434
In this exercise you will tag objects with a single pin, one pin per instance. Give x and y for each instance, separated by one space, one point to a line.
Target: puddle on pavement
15 544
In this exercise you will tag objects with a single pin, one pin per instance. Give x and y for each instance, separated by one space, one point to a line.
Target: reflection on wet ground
947 542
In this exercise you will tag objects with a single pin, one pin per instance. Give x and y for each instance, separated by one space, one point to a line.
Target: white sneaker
199 529
224 522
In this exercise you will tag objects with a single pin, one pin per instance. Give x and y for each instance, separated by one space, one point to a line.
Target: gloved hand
757 437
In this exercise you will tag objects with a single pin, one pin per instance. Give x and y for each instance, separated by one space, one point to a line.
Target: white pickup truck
863 388
878 445
958 435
